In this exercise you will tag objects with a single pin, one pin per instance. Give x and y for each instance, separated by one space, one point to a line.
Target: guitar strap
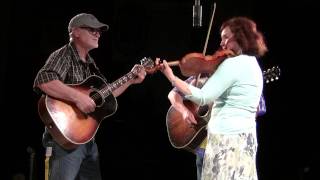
199 83
197 80
95 70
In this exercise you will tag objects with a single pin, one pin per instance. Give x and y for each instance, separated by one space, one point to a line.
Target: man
72 64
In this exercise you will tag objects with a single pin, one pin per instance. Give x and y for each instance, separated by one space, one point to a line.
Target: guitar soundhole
97 97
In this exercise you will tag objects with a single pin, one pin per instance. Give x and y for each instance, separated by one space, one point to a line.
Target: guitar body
69 126
181 134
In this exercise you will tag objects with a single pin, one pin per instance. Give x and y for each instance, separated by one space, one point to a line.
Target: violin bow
207 39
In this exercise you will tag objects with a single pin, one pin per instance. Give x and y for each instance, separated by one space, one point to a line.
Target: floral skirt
230 157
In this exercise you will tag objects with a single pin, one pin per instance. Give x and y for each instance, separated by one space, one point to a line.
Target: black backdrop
133 142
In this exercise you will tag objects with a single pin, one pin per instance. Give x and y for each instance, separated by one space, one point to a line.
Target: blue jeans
199 161
81 163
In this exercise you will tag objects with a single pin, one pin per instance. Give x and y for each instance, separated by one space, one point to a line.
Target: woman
235 89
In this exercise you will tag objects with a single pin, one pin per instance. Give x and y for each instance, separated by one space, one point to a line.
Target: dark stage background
133 142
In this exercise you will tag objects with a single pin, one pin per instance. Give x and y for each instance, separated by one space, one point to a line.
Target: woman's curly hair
246 35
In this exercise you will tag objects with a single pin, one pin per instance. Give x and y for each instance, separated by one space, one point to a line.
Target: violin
195 63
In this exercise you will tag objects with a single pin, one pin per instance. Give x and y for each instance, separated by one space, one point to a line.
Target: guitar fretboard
105 91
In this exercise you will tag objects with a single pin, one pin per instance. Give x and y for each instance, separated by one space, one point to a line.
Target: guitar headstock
147 63
271 74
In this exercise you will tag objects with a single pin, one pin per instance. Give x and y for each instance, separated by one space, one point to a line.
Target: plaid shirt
65 65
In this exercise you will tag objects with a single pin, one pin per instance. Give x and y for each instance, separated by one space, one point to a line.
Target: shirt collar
74 51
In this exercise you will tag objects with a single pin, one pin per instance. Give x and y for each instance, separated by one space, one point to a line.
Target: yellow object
46 162
204 143
46 168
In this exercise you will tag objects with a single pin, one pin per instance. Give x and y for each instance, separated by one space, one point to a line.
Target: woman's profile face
228 40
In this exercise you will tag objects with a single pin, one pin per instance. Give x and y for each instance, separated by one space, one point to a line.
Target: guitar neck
119 82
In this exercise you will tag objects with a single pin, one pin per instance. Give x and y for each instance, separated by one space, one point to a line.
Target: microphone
197 14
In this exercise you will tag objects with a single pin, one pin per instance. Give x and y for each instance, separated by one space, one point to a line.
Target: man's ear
74 32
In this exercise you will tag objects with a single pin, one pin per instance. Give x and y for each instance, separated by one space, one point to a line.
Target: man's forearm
59 90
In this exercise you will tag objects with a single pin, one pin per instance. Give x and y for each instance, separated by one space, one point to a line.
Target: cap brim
101 26
104 28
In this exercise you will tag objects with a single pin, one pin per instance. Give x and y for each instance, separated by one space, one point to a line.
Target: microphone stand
32 153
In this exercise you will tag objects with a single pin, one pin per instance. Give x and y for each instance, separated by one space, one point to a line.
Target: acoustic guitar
184 136
70 127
